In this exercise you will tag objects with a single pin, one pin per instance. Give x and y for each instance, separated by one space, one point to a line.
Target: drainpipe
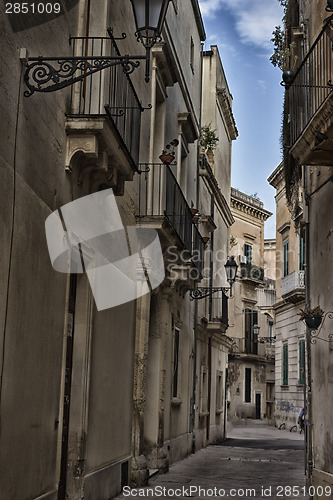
196 305
308 331
150 193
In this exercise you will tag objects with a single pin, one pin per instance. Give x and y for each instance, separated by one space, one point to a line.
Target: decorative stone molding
87 145
101 154
224 101
248 205
188 127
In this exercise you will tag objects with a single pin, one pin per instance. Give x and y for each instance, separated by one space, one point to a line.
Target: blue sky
242 32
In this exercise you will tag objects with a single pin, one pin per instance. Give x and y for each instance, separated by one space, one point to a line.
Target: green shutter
285 364
301 362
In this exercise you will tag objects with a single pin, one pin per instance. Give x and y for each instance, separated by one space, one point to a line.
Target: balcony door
251 342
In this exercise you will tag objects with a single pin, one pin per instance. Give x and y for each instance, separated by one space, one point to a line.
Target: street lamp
48 74
149 17
231 271
256 329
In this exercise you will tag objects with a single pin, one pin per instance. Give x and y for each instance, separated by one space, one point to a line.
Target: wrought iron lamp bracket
146 166
202 292
314 334
49 74
268 340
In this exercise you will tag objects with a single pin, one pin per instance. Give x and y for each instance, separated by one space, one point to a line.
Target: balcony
105 110
293 287
251 273
213 315
266 297
162 205
311 103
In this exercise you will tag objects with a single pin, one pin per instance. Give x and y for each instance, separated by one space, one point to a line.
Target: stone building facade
91 400
290 294
310 121
251 362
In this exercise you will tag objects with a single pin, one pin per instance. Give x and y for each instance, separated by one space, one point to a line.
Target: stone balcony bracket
92 149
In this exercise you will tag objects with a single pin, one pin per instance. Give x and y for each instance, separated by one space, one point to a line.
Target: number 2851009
32 8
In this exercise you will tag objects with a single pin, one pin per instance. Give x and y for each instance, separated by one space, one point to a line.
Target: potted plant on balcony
209 140
312 316
283 56
168 154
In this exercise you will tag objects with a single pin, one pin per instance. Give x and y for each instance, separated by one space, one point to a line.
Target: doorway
258 406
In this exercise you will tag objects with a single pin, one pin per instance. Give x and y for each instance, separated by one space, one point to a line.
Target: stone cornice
276 176
248 205
223 100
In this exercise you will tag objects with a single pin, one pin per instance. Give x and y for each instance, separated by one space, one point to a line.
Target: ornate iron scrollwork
314 334
48 74
202 292
51 74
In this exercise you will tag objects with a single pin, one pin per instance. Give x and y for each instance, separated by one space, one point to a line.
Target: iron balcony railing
250 272
215 308
109 92
266 297
293 282
312 83
161 195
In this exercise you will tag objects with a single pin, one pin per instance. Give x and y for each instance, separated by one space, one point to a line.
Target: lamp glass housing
149 17
256 329
231 270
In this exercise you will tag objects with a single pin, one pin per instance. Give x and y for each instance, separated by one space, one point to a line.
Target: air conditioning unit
242 259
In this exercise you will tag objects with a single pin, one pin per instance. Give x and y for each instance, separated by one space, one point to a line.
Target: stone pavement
256 461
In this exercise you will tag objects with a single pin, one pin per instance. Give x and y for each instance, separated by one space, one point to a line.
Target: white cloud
262 85
210 7
254 21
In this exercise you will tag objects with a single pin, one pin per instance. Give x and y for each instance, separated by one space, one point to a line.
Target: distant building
269 258
290 343
251 362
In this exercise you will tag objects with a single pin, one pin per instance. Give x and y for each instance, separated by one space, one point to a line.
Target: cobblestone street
256 461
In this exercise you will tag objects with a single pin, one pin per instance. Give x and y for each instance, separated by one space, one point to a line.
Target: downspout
150 194
308 331
196 305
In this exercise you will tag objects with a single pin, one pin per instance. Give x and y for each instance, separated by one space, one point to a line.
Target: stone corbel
85 144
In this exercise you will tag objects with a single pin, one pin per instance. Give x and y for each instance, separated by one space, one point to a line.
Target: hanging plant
285 59
312 316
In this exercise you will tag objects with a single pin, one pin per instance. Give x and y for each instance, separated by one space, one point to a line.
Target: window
192 55
301 253
204 390
285 364
270 329
247 385
219 392
301 361
251 341
248 253
286 258
175 364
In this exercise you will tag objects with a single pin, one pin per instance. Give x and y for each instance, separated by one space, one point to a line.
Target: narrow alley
256 461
